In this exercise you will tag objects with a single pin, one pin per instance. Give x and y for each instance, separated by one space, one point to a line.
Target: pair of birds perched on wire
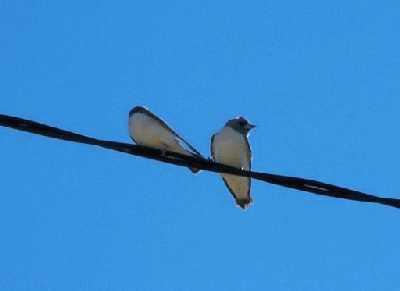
229 146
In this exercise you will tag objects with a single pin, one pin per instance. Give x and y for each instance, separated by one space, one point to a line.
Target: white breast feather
231 148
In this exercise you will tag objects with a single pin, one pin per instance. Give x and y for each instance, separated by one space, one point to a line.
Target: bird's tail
194 170
196 155
243 203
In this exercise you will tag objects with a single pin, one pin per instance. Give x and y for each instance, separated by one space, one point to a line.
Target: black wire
307 185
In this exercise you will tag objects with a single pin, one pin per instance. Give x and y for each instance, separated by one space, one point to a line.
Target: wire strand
307 185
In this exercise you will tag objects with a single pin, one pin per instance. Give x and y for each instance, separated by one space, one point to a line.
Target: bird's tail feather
194 170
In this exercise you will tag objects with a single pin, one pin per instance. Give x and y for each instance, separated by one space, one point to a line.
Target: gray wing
212 147
249 155
165 125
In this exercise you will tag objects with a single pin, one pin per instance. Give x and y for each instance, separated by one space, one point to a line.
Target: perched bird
147 129
230 146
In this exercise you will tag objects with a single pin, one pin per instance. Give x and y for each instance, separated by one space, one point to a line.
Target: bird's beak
250 126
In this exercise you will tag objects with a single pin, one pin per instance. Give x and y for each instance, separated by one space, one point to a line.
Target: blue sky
320 80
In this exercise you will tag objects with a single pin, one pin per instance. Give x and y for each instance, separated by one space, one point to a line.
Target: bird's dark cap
137 109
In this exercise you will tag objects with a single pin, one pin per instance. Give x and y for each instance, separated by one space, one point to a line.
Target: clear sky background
321 81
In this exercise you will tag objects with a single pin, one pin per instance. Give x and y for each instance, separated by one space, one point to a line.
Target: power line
307 185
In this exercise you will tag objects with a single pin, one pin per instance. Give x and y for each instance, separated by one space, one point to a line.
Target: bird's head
240 124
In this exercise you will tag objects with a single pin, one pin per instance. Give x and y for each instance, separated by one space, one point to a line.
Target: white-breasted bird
146 129
231 147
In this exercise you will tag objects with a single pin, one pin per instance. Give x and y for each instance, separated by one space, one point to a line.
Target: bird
230 146
147 129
